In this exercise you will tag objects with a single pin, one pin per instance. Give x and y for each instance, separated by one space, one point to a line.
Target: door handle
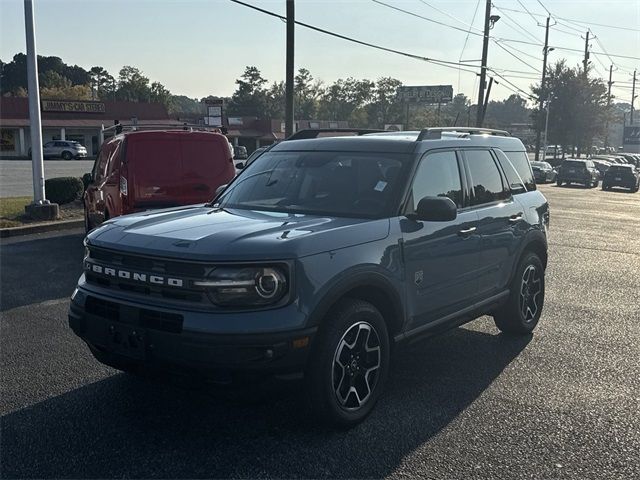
467 231
515 218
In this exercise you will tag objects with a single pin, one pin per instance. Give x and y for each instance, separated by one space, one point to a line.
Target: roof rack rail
435 133
315 132
119 127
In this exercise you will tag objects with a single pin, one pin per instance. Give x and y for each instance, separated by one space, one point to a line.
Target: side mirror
87 179
435 209
220 189
240 166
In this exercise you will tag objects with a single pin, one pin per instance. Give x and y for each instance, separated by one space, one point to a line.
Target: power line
425 18
576 21
469 31
545 8
511 40
508 19
443 63
516 57
527 10
450 16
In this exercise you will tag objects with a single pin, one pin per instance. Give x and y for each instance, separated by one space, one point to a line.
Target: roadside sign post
426 95
41 208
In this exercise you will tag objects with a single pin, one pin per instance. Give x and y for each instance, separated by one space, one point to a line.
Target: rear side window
520 162
438 175
485 178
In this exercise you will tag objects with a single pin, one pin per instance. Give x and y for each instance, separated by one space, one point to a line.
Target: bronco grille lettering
134 276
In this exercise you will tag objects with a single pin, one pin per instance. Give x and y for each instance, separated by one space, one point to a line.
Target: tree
306 94
346 99
133 86
501 114
103 83
160 94
577 107
250 97
385 107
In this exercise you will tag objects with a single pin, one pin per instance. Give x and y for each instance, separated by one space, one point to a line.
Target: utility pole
40 208
542 86
606 127
585 62
486 100
633 96
291 21
483 68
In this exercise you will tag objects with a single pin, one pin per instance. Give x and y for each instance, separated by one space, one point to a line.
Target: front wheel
349 364
523 309
66 155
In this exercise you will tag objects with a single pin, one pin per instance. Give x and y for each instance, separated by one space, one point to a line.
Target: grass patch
12 211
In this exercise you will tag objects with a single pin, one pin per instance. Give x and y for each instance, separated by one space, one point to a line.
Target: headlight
245 286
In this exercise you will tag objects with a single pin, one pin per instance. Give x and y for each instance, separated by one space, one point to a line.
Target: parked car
65 149
324 257
141 170
255 154
574 170
602 166
543 172
626 176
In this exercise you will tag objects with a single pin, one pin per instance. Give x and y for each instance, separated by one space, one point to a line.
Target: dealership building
84 121
80 121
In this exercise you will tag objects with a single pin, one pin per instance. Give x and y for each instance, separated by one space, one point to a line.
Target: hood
204 233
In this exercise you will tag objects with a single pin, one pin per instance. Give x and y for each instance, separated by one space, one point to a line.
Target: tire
558 182
342 386
596 183
604 187
527 294
67 155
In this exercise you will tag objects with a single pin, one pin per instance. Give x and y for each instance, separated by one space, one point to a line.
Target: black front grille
149 264
143 317
185 271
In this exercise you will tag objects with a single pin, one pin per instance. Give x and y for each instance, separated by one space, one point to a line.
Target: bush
63 190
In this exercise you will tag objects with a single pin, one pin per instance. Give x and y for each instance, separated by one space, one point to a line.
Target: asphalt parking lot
16 177
473 403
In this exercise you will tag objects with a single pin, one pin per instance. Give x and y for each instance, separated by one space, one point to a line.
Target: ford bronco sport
321 258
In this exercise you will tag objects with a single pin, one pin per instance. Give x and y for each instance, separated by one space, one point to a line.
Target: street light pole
288 112
34 106
542 85
483 67
41 208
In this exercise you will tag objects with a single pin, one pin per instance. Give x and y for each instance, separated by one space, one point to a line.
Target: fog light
300 342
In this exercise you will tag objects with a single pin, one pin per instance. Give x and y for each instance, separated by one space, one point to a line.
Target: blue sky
199 47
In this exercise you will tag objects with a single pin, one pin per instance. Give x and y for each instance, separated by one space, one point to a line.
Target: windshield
349 184
574 164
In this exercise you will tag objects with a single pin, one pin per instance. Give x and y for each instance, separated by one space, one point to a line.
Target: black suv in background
323 258
626 176
574 170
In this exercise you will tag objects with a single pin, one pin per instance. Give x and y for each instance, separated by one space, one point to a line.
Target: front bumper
122 333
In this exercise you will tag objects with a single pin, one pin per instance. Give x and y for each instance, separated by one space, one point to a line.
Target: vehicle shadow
54 265
123 426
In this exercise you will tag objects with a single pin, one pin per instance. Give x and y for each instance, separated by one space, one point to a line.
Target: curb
41 228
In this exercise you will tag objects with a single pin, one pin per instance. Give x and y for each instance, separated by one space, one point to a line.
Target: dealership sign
631 136
75 107
426 94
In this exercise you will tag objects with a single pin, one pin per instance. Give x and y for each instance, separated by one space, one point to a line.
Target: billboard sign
426 94
631 136
72 106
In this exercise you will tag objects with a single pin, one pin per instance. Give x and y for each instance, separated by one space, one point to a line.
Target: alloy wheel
356 365
530 290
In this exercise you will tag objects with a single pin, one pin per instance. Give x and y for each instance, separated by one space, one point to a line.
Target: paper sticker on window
380 186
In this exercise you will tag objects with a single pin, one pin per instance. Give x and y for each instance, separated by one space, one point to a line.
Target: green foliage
577 112
63 190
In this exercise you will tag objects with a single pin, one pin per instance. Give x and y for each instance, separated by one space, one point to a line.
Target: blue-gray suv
322 258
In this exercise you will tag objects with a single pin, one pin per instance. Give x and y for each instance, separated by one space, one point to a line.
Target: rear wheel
350 363
559 182
523 309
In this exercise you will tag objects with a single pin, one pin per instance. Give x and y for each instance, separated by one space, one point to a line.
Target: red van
141 170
